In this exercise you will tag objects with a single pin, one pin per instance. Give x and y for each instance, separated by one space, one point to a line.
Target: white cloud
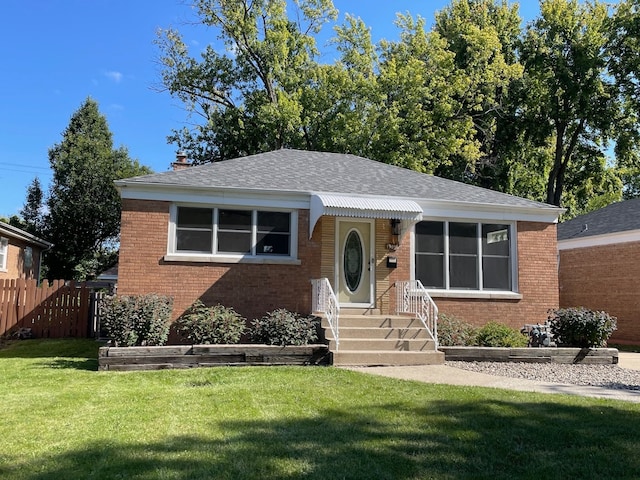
115 76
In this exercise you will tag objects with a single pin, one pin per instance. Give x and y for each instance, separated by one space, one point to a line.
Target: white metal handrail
412 297
325 301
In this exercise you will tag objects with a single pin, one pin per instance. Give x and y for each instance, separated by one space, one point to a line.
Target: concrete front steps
382 340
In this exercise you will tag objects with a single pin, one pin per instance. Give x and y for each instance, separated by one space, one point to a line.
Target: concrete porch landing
374 339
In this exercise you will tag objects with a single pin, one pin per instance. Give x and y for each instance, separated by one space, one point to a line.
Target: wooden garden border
588 356
190 356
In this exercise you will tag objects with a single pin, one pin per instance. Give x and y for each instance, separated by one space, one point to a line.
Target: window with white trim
464 255
4 253
236 232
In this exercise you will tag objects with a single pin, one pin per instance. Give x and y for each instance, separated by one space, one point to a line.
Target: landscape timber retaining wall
190 356
588 356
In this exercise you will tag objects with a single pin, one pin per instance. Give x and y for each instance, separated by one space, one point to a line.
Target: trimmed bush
210 325
282 327
580 327
454 332
141 320
495 334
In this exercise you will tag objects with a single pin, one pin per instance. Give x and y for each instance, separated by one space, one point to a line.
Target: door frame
371 260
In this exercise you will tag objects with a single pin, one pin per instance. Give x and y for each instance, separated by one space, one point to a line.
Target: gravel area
609 376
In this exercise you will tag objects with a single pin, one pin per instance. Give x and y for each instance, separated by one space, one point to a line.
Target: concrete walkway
456 376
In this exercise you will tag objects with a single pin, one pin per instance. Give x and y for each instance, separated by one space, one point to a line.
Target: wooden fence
61 309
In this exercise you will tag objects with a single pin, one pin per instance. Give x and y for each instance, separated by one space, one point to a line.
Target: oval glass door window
353 261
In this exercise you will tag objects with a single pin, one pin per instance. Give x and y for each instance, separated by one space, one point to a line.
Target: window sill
258 260
485 295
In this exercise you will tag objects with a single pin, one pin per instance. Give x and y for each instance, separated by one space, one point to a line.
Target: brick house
599 265
252 233
20 253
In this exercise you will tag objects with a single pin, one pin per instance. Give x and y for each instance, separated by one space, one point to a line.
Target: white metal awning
408 211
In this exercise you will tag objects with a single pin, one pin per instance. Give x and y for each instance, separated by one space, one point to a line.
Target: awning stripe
363 207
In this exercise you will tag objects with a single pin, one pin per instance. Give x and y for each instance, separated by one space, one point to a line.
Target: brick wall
15 261
251 289
385 276
605 278
537 283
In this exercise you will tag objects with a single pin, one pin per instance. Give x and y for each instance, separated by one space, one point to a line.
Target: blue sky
57 53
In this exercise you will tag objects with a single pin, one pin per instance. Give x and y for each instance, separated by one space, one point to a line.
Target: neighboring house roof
109 274
617 217
618 222
297 171
14 232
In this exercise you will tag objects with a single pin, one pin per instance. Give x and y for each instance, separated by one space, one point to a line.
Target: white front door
355 263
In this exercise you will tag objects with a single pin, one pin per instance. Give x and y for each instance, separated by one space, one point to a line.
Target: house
108 279
600 265
20 253
253 232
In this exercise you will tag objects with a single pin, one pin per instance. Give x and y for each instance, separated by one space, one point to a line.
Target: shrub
453 331
282 327
136 320
580 327
495 334
210 325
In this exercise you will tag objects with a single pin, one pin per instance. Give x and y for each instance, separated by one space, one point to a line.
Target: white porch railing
325 301
413 298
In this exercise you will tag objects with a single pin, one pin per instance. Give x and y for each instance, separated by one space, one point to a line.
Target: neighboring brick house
600 265
252 232
20 253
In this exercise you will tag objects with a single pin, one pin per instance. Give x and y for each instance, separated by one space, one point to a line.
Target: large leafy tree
83 219
570 102
534 113
248 92
342 103
421 126
482 35
625 67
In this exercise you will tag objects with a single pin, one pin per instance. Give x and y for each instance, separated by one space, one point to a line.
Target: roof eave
20 234
432 207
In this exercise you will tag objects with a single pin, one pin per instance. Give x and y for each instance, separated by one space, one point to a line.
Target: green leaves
141 320
477 99
217 324
83 219
580 327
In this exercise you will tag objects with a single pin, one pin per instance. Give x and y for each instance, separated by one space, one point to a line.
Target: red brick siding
537 283
252 289
605 278
385 276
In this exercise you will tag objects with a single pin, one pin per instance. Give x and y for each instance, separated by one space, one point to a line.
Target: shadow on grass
75 353
90 364
443 439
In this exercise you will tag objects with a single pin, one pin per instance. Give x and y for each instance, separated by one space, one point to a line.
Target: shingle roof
307 171
16 232
617 217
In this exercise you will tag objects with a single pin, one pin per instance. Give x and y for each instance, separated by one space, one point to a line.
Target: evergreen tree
83 221
32 211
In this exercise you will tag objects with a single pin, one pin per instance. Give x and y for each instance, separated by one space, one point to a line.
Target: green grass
62 419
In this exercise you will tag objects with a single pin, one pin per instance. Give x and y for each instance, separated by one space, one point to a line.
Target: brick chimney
181 162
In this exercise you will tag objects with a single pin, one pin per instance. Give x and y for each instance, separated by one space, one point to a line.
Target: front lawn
61 419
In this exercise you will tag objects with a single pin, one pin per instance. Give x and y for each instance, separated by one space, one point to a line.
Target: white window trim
173 255
480 293
4 251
